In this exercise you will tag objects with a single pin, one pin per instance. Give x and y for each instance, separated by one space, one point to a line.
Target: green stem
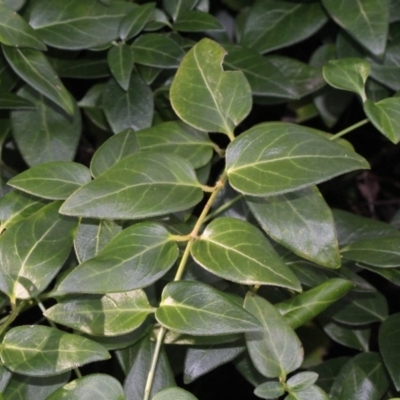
349 129
224 207
13 314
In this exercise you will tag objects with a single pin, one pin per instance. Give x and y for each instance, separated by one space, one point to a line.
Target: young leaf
237 251
174 393
44 351
198 309
101 386
136 258
385 116
348 74
301 380
120 61
41 243
108 315
136 20
205 96
276 157
389 347
159 183
275 350
34 68
54 180
269 390
197 21
311 393
284 217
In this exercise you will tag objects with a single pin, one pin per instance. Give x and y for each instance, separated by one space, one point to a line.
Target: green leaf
276 157
132 108
276 350
5 376
381 252
198 309
44 351
54 180
41 243
13 4
120 61
301 380
136 20
28 387
389 347
390 274
14 31
201 360
273 24
238 251
101 386
305 306
311 393
160 183
205 96
264 78
46 133
9 101
92 236
157 50
175 7
174 393
284 216
369 27
136 257
76 25
107 315
177 138
269 390
197 21
34 68
385 116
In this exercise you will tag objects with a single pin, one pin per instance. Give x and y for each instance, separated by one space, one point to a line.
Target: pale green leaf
174 393
136 20
13 4
301 381
120 61
311 393
269 390
5 376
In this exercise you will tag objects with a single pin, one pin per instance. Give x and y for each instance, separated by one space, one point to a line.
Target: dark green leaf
35 69
175 7
41 243
276 349
369 27
301 381
197 21
198 309
284 217
273 24
156 50
44 351
205 96
305 306
55 180
237 251
274 158
390 274
174 393
8 79
75 25
128 109
161 183
100 386
89 66
269 390
120 61
136 257
389 347
9 101
135 20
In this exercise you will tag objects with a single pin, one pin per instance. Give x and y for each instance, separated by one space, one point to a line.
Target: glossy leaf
5 376
305 306
132 108
33 67
301 381
198 309
175 7
276 349
120 61
46 133
9 101
102 386
389 347
273 24
312 392
136 257
44 351
348 74
135 20
300 221
275 158
88 66
269 390
197 21
55 180
108 315
237 251
41 243
369 28
385 115
205 96
156 50
174 393
161 183
76 25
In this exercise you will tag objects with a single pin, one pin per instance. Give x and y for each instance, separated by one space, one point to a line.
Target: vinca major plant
160 214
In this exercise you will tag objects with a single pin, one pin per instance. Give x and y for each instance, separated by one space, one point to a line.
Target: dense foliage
159 213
